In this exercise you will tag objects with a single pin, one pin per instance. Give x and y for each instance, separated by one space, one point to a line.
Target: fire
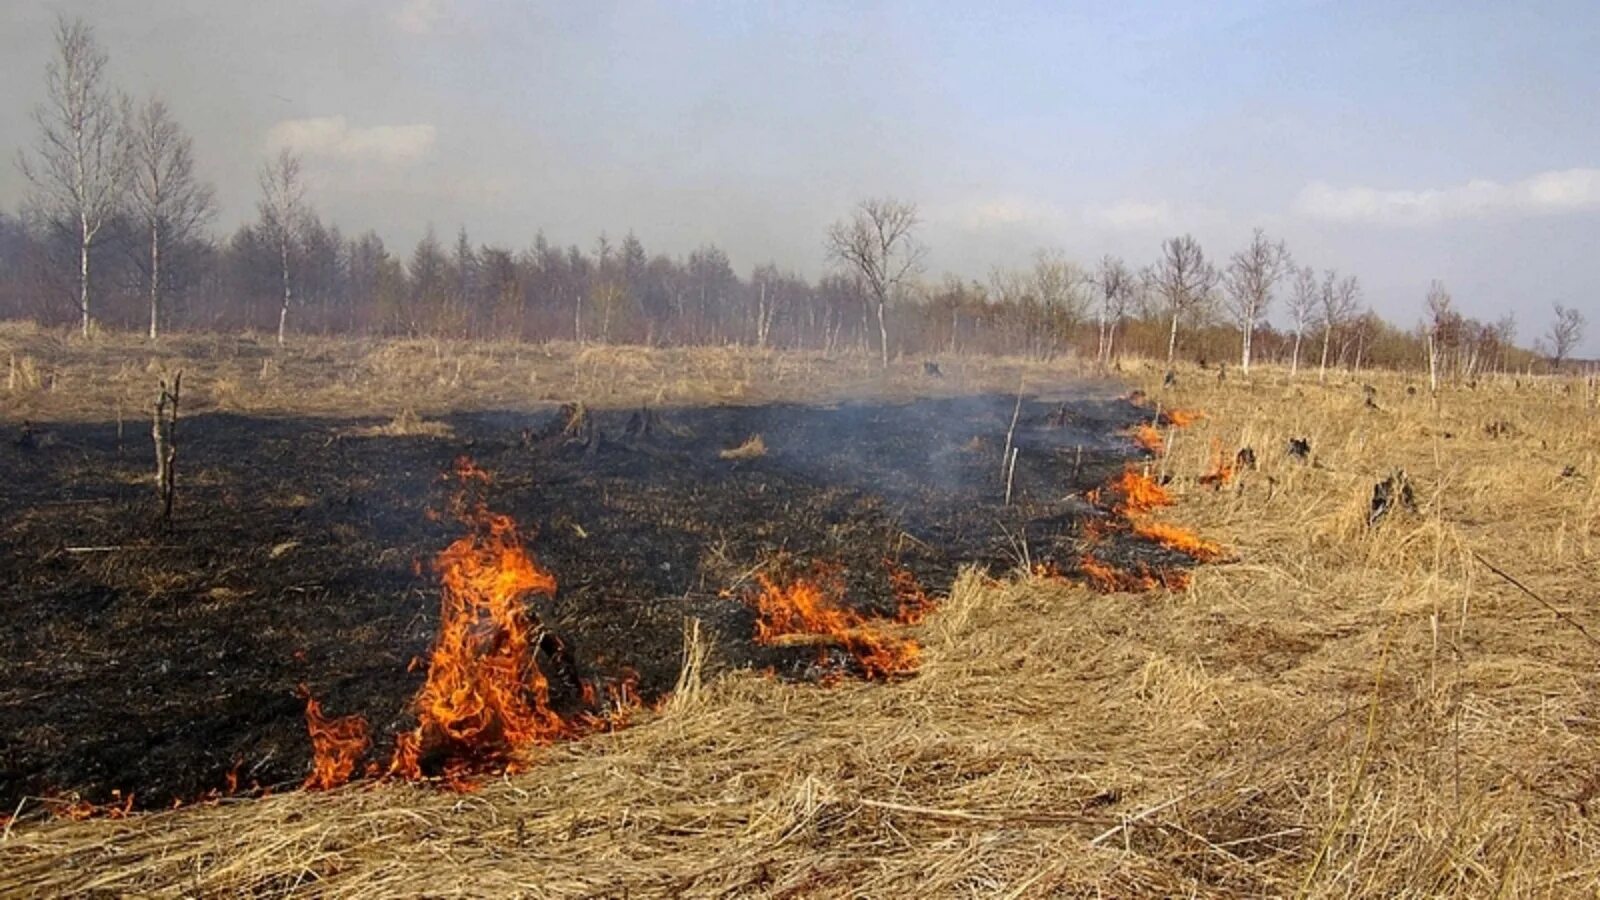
1139 492
1148 438
808 610
1181 418
912 603
485 697
1111 580
1174 538
337 745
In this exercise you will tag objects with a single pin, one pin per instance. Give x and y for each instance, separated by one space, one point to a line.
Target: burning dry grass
1348 711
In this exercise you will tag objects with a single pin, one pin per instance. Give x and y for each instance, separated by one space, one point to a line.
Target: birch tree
1184 280
1252 275
878 245
165 195
1114 286
283 214
1305 295
79 167
1338 299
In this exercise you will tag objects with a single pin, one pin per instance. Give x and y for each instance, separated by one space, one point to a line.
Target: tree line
115 232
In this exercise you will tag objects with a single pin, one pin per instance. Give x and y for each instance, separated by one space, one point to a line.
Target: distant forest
115 233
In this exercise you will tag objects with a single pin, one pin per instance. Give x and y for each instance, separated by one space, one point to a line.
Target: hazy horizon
1396 142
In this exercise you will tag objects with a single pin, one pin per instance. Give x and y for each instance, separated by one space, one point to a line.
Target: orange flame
1174 538
912 603
1111 580
1147 437
337 745
1181 418
485 695
1139 492
810 609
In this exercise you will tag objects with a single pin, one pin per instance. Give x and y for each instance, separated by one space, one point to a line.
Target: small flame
808 610
912 603
1139 492
337 745
1181 418
1111 580
1174 538
1148 438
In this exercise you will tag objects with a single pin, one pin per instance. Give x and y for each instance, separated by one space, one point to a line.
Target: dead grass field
1344 710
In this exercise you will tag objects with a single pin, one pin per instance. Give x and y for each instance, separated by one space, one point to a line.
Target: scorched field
492 619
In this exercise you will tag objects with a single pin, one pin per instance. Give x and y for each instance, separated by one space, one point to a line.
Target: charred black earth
158 661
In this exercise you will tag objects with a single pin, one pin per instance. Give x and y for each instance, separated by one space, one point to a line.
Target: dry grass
754 447
55 376
1343 711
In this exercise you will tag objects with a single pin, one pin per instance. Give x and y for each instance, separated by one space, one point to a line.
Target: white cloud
1547 193
418 16
331 137
1131 215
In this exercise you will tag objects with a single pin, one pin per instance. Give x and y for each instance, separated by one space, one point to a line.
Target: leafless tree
1252 275
1058 284
283 214
79 167
164 193
1114 286
1305 296
1565 334
1439 330
878 245
1339 299
1184 280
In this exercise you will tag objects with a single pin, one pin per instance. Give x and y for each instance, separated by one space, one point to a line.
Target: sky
1397 141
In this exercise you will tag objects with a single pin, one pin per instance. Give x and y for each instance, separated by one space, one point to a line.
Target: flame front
809 611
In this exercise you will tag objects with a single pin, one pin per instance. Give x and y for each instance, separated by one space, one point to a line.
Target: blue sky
1397 141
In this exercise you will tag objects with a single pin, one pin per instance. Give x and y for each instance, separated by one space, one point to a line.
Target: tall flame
485 695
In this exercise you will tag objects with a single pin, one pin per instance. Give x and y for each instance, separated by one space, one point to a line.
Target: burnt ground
155 662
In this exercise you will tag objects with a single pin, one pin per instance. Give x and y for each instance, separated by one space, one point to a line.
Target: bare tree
283 214
1114 285
1304 297
79 167
1058 285
1440 327
878 245
164 192
1339 299
1184 280
1252 275
1565 334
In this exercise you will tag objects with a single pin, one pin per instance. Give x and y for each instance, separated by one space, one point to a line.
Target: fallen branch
1542 601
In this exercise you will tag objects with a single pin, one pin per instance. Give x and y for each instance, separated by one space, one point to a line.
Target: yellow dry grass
1343 711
